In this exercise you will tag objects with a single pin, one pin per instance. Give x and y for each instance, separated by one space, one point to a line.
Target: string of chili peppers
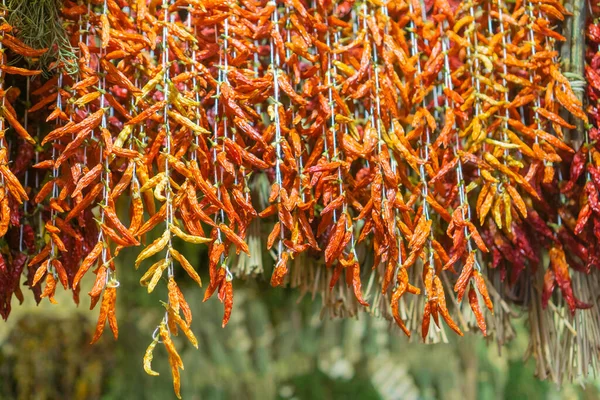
430 141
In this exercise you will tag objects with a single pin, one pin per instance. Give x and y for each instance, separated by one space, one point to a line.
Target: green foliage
522 387
275 347
38 24
49 358
317 385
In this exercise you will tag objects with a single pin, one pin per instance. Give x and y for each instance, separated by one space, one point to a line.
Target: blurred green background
275 347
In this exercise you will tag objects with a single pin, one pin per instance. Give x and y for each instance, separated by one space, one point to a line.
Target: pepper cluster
428 147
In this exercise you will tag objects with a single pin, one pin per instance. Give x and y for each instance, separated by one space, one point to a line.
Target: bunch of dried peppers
434 149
